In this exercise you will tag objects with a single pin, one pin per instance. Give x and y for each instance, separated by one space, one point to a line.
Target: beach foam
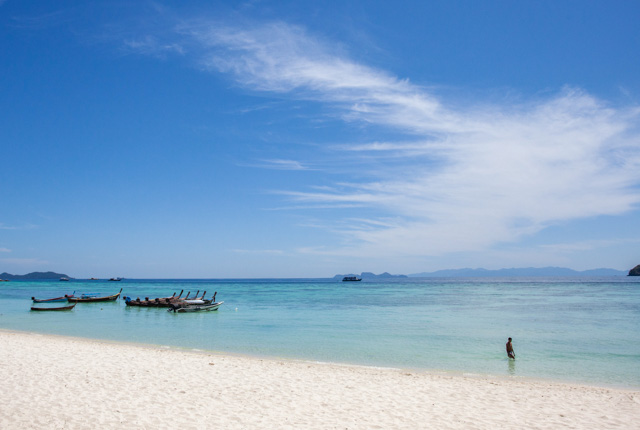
72 383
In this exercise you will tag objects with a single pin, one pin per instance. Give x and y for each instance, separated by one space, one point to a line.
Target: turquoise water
576 330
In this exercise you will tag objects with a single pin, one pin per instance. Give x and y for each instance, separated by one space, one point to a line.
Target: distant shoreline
531 272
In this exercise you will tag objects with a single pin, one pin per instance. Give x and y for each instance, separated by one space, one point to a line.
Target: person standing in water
510 352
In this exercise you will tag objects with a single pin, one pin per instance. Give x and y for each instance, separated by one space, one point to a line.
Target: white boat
196 308
197 302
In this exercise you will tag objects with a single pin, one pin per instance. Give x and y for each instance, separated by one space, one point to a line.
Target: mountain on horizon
517 272
369 275
34 275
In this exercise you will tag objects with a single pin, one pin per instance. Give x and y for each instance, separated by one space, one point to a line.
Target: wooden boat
94 299
55 299
150 303
59 308
196 308
160 302
165 302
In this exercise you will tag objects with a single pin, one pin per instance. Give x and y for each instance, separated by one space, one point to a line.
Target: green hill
33 276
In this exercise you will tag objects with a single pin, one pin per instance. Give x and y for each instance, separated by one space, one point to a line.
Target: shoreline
55 381
431 371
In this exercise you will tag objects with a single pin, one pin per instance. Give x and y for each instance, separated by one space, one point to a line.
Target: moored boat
150 303
165 302
59 308
351 279
159 302
84 299
55 299
195 308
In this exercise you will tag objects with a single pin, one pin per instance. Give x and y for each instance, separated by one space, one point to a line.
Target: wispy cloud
284 165
27 262
259 251
41 21
151 45
587 245
471 176
5 250
15 227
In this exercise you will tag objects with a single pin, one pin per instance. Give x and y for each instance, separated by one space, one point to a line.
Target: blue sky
305 139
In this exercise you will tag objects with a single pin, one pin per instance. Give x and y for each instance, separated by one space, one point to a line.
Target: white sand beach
52 382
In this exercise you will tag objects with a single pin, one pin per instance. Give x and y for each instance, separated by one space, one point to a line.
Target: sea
576 330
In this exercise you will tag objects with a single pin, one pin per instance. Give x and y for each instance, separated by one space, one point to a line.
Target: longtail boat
165 302
196 308
149 303
160 302
55 299
94 299
60 308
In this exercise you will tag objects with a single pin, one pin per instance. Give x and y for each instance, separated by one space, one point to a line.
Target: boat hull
55 300
94 299
155 303
197 308
60 308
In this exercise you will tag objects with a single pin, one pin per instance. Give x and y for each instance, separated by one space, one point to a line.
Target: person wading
510 352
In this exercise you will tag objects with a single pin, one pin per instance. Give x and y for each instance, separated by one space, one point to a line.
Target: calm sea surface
576 330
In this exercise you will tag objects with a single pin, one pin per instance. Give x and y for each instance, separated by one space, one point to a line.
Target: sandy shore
52 382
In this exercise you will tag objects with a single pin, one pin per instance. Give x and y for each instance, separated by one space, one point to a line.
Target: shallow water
578 330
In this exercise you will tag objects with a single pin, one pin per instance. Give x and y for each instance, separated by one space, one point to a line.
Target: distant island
501 273
518 272
369 275
33 276
447 273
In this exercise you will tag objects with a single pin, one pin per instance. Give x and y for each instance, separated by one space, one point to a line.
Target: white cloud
5 250
471 177
587 245
283 165
150 45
